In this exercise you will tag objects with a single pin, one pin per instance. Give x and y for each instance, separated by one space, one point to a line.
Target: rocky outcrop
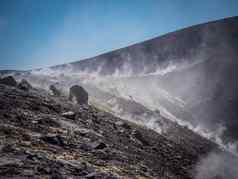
9 80
24 85
79 94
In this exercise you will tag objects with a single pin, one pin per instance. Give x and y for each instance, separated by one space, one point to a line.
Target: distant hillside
218 39
198 66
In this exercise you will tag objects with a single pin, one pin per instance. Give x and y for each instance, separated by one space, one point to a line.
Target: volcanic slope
47 136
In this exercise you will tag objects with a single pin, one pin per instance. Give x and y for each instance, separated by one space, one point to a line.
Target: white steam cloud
217 166
143 90
120 84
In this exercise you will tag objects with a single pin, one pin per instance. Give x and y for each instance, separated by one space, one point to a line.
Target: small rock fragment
69 115
53 139
100 146
91 176
97 175
48 122
93 146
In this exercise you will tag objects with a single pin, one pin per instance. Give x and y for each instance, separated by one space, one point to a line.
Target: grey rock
97 145
53 139
140 138
69 115
48 122
54 90
24 85
79 94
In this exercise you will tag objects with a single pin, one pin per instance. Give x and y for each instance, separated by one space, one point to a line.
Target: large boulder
54 90
78 94
9 80
24 85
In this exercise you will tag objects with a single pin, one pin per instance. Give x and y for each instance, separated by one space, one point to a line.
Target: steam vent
165 108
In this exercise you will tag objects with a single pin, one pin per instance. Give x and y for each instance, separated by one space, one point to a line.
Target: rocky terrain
47 136
164 108
189 74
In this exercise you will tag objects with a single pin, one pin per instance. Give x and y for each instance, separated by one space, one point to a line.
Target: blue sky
41 33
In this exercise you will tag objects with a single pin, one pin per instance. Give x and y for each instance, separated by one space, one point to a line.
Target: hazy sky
40 33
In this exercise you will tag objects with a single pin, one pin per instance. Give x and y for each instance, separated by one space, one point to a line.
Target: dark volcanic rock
98 145
79 94
140 138
96 175
49 122
53 139
54 90
9 80
24 85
